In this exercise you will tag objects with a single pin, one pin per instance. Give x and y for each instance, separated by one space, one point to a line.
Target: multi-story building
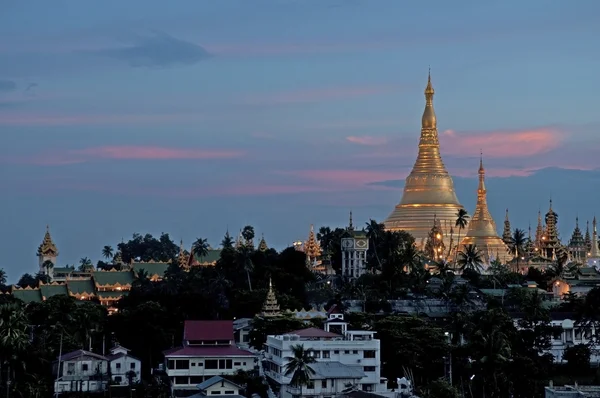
124 368
80 371
355 245
344 357
208 350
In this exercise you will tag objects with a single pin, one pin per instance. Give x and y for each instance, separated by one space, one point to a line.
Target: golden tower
270 307
429 189
481 231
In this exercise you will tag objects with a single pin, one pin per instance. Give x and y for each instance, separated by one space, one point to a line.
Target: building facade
208 350
124 368
82 371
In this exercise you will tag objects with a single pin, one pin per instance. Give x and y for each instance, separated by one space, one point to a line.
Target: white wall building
350 357
208 350
123 366
80 371
567 334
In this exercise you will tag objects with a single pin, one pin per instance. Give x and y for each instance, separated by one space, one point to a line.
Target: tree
470 259
517 244
47 265
200 247
227 242
27 280
298 366
2 277
248 235
107 252
578 358
462 220
85 264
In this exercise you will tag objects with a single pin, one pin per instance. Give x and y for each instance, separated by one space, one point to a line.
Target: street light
448 337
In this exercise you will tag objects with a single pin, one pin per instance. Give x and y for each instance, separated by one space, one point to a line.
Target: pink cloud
501 144
316 95
124 153
344 179
367 140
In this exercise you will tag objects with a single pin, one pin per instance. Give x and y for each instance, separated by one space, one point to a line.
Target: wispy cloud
157 50
367 140
316 95
124 153
501 144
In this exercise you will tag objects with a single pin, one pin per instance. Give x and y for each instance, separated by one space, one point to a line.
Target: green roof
63 270
211 258
111 294
53 290
113 277
81 286
28 295
151 268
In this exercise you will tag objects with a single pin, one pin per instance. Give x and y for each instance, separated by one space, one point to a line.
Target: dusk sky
194 117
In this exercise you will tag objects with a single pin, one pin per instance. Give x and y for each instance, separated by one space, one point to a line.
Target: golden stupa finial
47 247
429 121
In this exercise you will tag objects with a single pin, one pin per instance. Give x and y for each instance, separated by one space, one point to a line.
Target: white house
344 357
208 350
123 366
219 386
80 371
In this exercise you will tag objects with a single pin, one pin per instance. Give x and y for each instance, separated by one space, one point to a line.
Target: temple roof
577 239
210 259
47 247
81 286
262 245
151 267
113 277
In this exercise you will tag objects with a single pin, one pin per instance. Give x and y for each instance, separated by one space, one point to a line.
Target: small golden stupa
482 229
429 190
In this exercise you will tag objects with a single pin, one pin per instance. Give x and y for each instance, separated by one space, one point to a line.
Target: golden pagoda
429 189
481 231
183 257
312 247
262 245
270 308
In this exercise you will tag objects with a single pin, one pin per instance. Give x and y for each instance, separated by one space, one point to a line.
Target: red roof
334 309
208 330
314 332
231 351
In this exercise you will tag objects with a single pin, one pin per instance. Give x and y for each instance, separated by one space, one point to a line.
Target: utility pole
58 370
449 338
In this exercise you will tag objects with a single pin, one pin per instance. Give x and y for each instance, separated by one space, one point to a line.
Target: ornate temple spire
550 240
429 188
183 258
539 232
350 224
506 233
588 238
577 246
594 250
239 242
312 247
47 247
262 245
481 230
270 308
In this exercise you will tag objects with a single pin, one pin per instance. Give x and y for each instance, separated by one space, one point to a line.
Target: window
225 364
316 354
181 380
336 351
369 368
84 367
325 354
237 364
171 364
355 352
587 333
244 363
196 379
118 366
211 364
578 334
70 368
182 364
215 393
369 354
118 379
557 334
310 385
132 365
193 364
229 392
323 383
569 335
346 352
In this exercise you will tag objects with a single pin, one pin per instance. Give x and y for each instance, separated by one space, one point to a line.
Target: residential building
80 371
218 386
208 350
355 357
124 368
572 391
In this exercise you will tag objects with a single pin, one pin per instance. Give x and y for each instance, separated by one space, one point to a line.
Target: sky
198 117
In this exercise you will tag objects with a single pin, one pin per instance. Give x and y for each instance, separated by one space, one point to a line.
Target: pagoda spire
312 247
262 245
550 238
239 241
428 188
594 251
47 247
350 225
270 308
506 233
183 258
539 232
481 230
588 238
577 246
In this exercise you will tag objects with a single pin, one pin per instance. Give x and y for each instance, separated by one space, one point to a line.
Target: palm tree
375 232
200 247
470 258
2 277
47 265
244 260
85 264
462 220
14 337
517 244
298 366
107 252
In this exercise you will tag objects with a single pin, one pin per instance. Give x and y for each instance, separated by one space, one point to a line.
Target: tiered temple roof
429 189
270 308
507 233
588 238
434 246
312 247
539 233
47 247
262 245
183 257
577 245
550 240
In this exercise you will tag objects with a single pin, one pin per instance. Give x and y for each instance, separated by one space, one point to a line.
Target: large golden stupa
429 190
482 231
